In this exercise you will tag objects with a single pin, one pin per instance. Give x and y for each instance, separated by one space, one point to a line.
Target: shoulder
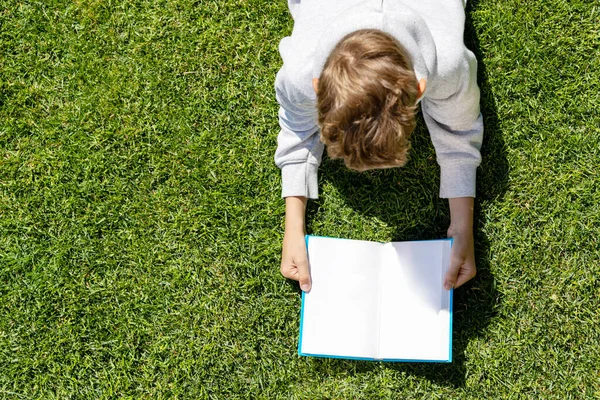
312 18
294 93
296 72
455 71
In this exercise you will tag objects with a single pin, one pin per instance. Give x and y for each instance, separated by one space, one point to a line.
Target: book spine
383 261
447 298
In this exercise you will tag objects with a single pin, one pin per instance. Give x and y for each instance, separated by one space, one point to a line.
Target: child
354 71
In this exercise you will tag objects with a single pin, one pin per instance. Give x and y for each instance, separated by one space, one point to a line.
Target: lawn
141 219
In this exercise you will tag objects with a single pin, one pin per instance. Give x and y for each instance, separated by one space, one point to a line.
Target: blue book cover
377 301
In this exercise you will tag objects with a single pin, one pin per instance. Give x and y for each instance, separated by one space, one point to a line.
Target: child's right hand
294 261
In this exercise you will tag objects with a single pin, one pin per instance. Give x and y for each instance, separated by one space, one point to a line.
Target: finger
452 275
289 272
303 275
465 275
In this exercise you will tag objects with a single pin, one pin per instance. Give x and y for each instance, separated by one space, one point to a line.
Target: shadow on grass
407 200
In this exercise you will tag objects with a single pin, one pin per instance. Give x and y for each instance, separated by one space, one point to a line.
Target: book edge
451 240
373 359
451 301
306 237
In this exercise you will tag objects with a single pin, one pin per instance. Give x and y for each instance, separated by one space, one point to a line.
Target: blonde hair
366 99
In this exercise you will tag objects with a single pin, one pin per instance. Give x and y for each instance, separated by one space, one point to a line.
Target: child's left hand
462 259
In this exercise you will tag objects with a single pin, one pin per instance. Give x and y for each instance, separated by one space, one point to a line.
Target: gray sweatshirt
432 33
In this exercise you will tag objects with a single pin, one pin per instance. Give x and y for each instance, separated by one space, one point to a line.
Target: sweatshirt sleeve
456 128
299 149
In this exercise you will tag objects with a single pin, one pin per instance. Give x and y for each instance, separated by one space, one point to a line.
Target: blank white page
340 313
415 307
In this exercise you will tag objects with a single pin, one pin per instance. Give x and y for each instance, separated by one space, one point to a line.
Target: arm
456 127
298 155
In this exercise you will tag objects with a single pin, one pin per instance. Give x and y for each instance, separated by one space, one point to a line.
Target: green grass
141 222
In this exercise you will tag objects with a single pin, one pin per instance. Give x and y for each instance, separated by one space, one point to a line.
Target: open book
377 301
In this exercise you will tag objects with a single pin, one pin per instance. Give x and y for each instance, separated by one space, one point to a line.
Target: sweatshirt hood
404 25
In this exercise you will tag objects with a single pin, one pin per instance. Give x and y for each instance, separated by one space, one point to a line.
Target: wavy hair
366 99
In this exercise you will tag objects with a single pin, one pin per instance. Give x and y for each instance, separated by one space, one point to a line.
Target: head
366 98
